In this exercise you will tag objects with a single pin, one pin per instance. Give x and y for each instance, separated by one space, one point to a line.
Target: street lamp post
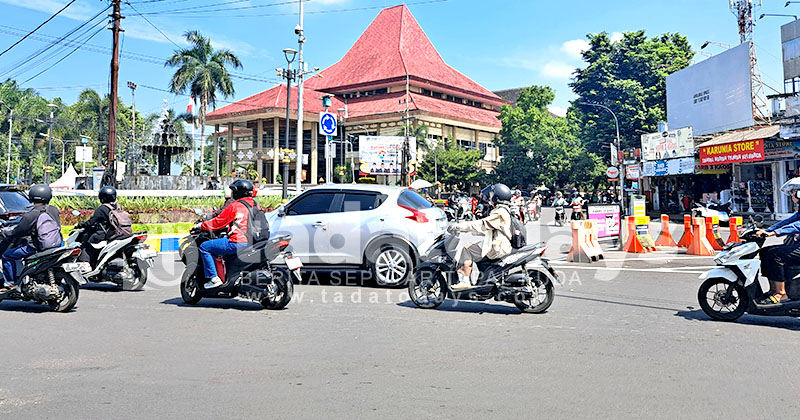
289 74
622 170
10 126
50 122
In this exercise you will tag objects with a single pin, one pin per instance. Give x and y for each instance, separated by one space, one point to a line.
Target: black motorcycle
524 278
561 215
247 274
51 277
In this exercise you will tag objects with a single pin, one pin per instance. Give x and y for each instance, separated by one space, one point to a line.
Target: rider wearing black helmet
98 227
42 224
235 218
496 230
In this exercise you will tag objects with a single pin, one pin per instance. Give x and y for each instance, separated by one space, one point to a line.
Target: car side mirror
198 212
281 211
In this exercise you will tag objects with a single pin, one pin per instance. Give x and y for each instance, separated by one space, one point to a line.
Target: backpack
257 224
518 237
47 233
120 222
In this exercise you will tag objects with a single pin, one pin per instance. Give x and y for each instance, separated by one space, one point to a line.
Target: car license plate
293 263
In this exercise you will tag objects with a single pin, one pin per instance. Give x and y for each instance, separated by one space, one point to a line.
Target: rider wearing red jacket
235 218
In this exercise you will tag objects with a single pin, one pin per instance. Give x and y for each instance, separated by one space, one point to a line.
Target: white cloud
557 110
75 11
575 47
616 36
557 70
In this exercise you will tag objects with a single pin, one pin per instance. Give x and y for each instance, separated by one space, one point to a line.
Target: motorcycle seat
46 253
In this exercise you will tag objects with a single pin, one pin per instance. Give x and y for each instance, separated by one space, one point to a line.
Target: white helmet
791 187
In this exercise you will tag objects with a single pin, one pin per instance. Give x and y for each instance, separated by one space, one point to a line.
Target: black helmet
241 188
500 192
40 193
107 194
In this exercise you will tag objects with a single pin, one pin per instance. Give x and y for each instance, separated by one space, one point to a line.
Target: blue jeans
214 247
12 259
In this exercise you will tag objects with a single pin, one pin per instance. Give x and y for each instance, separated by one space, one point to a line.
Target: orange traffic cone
665 237
735 222
700 244
634 242
686 239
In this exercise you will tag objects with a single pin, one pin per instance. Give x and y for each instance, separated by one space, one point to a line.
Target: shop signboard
607 219
632 172
381 154
737 152
781 150
668 145
711 169
668 167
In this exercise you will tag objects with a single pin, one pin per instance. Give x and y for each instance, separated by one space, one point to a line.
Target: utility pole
299 160
10 126
109 177
50 121
133 128
743 10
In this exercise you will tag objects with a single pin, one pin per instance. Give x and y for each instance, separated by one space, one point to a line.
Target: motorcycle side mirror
76 213
758 220
198 212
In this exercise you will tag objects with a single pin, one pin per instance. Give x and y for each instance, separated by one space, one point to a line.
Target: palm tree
203 73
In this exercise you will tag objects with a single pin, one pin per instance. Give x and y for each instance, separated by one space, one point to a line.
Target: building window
467 144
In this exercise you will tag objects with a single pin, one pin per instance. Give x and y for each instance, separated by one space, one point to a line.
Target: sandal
4 290
773 300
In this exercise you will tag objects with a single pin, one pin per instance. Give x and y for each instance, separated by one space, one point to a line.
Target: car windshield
411 199
14 202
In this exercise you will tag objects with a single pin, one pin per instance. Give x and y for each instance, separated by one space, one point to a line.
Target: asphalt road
624 339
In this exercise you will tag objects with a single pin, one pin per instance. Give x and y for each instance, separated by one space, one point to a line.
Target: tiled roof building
393 68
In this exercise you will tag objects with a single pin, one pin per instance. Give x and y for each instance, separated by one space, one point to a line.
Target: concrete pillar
276 148
216 150
229 151
258 146
314 174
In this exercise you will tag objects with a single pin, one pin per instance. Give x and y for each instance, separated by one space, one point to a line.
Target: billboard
713 95
668 167
668 145
790 48
380 155
736 152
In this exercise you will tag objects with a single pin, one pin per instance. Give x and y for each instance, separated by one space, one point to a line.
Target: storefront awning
743 135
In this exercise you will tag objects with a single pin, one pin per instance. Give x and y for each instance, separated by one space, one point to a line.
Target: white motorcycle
735 287
123 262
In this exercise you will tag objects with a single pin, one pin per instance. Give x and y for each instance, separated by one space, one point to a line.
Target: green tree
539 147
455 165
202 72
628 76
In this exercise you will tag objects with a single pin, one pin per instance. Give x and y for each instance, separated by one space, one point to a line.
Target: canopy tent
67 180
420 184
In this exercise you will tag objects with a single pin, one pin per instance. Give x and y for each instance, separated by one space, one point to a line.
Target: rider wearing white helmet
775 258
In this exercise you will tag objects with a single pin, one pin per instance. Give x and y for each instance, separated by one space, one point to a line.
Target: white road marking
645 270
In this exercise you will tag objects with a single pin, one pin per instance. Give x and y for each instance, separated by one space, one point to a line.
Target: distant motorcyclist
775 258
559 201
99 227
577 207
42 224
235 218
496 230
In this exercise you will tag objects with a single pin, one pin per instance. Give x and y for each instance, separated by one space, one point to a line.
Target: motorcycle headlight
730 255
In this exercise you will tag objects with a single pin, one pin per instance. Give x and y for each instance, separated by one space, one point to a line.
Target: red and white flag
190 106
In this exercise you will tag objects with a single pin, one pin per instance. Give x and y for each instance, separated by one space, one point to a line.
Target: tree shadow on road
465 306
212 303
783 322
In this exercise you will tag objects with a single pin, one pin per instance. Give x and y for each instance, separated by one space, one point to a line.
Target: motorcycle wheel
469 217
427 288
139 277
279 294
711 296
190 292
540 301
69 295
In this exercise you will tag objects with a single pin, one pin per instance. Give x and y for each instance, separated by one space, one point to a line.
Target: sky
500 44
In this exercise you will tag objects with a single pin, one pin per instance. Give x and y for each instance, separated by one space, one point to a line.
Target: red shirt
235 218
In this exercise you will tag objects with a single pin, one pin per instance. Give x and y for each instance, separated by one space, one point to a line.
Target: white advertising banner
713 95
668 145
380 155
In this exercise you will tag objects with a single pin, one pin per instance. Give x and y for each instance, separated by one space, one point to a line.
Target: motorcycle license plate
293 263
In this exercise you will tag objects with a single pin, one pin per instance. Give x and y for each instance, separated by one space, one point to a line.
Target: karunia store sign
742 151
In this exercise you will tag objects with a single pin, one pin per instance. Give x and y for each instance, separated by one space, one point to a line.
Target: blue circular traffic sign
327 124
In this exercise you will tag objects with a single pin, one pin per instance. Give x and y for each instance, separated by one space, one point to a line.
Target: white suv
354 227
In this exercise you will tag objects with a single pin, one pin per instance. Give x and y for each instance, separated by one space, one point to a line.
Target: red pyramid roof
393 46
274 98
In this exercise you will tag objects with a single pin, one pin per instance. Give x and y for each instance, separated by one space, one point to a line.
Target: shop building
392 74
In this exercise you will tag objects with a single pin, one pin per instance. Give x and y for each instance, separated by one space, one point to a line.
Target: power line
151 24
63 58
37 28
319 12
202 8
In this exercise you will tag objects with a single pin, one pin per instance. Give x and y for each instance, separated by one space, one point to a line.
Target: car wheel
391 265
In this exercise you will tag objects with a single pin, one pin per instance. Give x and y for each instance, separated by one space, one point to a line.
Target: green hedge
153 204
